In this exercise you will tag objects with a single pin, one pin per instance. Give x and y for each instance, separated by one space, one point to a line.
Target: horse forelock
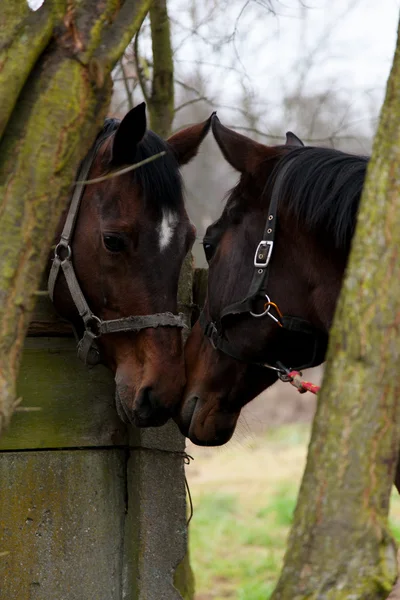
160 180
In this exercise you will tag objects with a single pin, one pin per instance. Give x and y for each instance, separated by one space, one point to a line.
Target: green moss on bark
340 546
50 125
161 104
23 37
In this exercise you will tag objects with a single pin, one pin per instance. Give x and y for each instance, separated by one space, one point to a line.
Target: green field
244 495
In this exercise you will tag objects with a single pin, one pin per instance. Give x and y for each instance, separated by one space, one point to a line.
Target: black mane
160 180
322 189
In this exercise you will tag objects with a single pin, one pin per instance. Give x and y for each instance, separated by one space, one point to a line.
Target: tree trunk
56 63
340 546
161 105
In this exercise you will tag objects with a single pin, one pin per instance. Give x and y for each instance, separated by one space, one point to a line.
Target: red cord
301 385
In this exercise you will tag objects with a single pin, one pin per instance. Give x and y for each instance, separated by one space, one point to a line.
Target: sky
242 44
350 44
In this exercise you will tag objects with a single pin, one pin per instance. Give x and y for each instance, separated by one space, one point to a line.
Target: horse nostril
145 404
148 409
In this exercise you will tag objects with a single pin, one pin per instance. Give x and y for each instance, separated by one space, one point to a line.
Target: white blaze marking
35 4
166 229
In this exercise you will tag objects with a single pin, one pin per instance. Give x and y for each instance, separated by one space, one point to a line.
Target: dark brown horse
116 268
276 261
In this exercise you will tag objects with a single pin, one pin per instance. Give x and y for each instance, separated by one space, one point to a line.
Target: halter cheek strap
94 327
214 330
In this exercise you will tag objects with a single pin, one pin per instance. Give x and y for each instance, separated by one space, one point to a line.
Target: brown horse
116 267
276 261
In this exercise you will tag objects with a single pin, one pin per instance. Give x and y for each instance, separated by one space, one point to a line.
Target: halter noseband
88 350
214 330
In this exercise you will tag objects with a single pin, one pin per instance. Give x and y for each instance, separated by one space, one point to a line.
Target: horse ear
185 143
129 133
241 152
293 140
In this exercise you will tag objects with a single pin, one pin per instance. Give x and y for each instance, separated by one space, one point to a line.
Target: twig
126 84
122 171
328 138
193 101
141 79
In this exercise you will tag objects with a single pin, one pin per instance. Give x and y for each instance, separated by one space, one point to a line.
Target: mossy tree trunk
340 546
55 87
161 100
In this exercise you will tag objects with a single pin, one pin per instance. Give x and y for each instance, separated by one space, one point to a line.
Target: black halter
94 327
294 328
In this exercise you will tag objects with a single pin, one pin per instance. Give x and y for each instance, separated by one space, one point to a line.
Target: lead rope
186 459
302 386
295 378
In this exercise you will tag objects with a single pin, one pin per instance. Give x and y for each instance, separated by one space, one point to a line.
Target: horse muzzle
145 410
204 423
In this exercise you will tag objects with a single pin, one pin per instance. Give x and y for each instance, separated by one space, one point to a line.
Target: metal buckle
62 247
259 260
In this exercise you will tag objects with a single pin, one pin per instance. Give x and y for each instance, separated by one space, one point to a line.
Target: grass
244 498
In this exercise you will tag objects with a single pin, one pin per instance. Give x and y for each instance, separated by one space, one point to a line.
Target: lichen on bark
161 105
340 546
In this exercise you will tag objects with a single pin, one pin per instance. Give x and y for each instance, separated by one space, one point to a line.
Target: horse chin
205 424
214 439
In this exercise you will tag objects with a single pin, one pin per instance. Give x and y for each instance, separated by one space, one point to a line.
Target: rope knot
302 386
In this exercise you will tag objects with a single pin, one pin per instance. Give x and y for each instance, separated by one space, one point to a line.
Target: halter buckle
263 253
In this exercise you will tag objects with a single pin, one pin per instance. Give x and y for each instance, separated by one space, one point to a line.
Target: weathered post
88 507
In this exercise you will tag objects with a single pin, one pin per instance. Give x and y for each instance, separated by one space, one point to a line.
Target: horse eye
114 243
208 250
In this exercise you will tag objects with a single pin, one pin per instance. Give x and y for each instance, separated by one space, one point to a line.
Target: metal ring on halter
93 324
213 336
62 246
266 311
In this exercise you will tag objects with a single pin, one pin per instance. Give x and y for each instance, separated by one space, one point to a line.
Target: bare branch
126 84
139 71
330 138
117 37
189 102
121 171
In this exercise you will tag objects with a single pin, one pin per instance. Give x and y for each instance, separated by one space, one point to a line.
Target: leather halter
94 327
296 326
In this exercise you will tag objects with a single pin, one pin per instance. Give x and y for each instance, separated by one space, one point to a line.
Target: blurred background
315 67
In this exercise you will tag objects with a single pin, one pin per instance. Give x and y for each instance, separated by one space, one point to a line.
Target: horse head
116 276
276 260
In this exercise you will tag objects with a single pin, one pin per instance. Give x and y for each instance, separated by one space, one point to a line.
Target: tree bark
340 546
161 106
20 24
53 105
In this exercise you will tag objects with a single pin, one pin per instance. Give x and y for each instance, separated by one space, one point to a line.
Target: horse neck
319 268
327 267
